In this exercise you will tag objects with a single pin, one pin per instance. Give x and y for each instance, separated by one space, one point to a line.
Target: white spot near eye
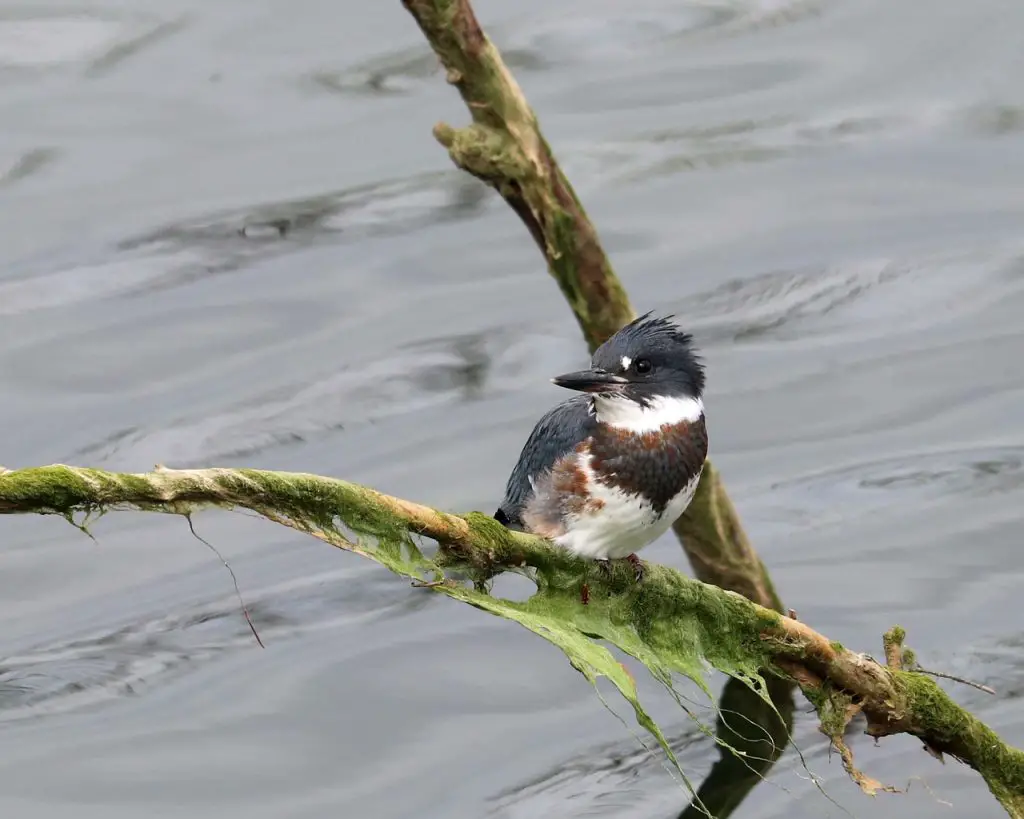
626 361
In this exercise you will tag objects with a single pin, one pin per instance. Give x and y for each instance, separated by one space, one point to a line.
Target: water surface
227 237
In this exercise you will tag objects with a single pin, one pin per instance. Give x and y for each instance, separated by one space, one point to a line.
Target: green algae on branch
930 714
669 622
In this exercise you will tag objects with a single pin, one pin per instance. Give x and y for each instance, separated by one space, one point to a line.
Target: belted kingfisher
605 473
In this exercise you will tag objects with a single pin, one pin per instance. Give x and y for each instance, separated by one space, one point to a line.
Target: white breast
623 524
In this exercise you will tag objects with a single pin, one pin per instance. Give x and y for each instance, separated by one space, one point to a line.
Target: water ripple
913 478
108 665
27 164
653 155
749 308
41 39
180 253
413 378
405 71
768 14
538 44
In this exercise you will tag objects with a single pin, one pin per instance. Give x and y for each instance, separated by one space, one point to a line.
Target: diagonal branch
505 148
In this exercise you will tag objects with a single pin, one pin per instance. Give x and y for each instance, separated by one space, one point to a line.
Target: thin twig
945 676
234 579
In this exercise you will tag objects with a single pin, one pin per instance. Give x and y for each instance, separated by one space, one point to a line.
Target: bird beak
593 380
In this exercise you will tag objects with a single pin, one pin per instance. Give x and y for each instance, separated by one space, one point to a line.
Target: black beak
591 381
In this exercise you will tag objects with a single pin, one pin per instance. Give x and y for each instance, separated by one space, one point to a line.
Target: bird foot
633 560
638 566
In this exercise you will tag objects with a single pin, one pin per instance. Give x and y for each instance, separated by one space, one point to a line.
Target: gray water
228 238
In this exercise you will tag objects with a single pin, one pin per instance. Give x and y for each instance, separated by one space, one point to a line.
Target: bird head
648 370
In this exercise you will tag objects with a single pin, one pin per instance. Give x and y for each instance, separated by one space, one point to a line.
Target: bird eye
642 365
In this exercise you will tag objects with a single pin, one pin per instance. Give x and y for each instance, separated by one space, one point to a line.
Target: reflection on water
611 777
227 236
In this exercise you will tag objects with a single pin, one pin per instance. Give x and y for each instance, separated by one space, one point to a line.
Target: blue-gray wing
556 433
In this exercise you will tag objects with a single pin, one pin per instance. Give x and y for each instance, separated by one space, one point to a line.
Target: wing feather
557 432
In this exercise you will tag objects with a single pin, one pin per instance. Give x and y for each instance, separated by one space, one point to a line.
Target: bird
608 471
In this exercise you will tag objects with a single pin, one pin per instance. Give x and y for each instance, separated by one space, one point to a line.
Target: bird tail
502 517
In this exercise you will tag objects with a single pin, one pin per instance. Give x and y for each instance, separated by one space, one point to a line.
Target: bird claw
633 560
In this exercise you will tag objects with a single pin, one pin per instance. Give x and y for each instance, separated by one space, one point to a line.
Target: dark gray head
648 357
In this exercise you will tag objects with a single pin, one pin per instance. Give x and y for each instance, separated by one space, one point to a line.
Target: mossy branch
670 622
